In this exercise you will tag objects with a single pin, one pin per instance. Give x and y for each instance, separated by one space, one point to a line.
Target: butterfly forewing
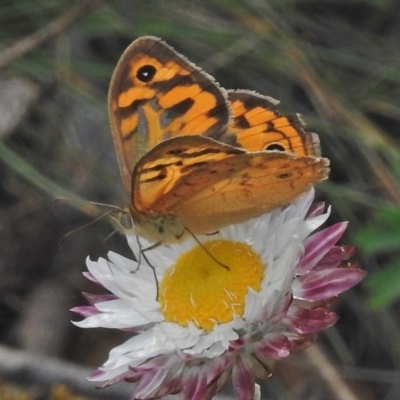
209 184
156 94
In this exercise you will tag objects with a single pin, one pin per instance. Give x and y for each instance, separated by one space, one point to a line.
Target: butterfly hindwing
257 125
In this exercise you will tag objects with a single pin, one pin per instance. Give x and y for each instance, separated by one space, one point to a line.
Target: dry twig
24 368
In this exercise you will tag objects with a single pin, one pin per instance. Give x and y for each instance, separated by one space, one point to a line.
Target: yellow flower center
208 284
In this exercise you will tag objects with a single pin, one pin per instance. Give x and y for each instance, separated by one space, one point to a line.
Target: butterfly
195 157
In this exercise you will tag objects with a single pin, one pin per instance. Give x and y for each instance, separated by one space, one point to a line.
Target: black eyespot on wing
275 146
146 73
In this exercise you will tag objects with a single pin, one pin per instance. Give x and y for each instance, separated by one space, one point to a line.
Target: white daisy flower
227 307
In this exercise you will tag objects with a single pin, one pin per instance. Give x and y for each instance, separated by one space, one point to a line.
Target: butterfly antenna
95 203
206 250
84 226
110 235
142 254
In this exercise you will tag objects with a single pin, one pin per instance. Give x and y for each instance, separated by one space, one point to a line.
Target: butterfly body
195 157
156 227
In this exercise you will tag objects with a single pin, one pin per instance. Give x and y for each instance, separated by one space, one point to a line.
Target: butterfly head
154 227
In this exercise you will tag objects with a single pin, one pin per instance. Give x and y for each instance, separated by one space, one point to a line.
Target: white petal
115 321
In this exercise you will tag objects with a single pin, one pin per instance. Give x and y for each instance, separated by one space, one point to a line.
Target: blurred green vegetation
335 62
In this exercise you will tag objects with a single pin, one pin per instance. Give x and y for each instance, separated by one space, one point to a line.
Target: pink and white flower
225 308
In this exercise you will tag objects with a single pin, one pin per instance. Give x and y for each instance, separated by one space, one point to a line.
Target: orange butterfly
195 157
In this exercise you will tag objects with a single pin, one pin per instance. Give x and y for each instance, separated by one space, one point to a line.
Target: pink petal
171 386
150 383
237 344
154 364
195 387
85 311
221 365
98 373
172 382
335 256
317 245
320 285
243 379
316 209
98 298
274 346
302 320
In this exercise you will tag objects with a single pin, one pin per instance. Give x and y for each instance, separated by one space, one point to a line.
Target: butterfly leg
206 250
142 254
